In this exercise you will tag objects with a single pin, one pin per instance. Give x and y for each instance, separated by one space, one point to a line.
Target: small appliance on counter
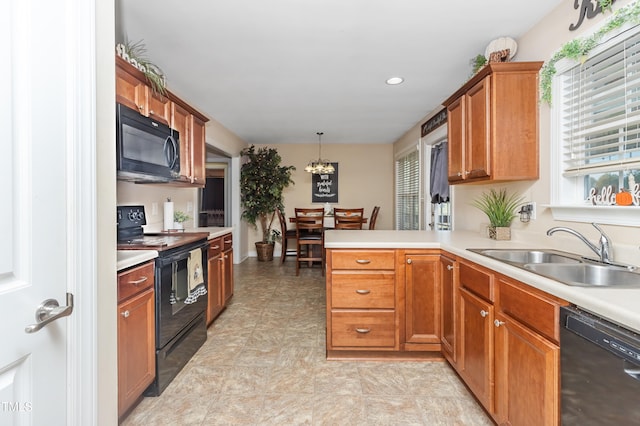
180 301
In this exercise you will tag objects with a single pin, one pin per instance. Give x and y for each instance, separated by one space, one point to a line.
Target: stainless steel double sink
567 268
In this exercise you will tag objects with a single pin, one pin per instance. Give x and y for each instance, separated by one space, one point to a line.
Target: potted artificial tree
500 208
262 180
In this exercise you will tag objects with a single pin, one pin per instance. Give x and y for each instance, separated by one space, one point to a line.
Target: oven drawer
363 329
135 280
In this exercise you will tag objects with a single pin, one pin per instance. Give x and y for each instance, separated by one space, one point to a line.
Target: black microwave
147 150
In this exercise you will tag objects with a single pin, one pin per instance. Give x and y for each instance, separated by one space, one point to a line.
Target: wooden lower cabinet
227 262
136 334
527 373
422 283
475 347
215 288
220 278
448 306
508 347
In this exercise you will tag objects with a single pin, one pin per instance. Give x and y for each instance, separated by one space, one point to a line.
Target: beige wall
365 179
539 44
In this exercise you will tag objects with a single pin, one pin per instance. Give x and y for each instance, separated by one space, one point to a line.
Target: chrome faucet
604 252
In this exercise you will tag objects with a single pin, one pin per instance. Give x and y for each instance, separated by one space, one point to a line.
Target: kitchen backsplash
153 196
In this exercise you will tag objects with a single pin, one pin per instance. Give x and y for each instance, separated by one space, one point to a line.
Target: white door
42 102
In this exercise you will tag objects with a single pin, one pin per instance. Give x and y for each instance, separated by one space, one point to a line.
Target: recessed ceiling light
395 80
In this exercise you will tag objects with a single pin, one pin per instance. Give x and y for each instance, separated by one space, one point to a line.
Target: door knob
49 311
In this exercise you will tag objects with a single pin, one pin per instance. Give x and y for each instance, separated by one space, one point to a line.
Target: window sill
608 215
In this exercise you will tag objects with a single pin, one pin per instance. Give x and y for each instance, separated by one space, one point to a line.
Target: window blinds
408 192
601 111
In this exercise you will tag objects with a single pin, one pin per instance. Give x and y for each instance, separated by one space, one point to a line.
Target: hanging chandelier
320 166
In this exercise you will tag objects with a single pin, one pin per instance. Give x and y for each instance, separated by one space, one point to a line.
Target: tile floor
264 364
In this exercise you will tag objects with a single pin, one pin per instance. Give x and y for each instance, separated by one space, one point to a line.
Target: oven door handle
632 370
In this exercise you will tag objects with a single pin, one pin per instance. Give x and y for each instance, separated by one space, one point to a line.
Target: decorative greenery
154 74
478 62
180 217
262 180
579 48
499 207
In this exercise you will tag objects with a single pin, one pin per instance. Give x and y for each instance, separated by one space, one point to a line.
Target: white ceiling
278 71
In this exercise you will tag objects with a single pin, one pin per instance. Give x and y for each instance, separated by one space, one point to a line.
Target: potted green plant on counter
500 208
179 218
262 181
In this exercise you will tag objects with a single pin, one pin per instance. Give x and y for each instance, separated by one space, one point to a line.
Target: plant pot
502 233
265 251
177 225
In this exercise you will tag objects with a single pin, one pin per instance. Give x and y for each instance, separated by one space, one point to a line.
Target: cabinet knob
140 108
359 291
498 323
458 174
483 313
216 247
409 261
450 267
363 330
125 314
467 172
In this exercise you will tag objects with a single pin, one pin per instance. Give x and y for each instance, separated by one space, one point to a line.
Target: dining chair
309 237
348 218
374 216
287 234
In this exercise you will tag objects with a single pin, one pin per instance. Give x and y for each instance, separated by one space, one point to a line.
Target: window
598 110
408 191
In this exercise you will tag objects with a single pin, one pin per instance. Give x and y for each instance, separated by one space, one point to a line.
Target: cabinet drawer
363 290
215 247
227 242
533 310
135 280
363 329
363 259
477 280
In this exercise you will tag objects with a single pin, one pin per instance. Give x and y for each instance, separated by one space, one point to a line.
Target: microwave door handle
172 156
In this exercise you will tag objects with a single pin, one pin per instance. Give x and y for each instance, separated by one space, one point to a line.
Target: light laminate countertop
619 305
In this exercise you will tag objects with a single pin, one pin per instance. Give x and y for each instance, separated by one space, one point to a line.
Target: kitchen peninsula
423 294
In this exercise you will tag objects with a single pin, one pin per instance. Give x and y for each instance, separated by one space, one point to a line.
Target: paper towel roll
168 215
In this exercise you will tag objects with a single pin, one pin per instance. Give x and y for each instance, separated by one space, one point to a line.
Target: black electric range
180 327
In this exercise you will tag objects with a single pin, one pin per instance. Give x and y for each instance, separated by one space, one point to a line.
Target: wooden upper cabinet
198 151
181 121
130 90
133 91
493 125
158 106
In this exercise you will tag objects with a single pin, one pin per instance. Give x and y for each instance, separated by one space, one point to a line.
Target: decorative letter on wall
325 187
588 9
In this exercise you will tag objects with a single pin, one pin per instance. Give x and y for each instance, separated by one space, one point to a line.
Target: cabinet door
136 348
456 117
422 287
215 291
181 121
475 362
198 151
130 91
227 257
527 375
158 107
478 139
448 310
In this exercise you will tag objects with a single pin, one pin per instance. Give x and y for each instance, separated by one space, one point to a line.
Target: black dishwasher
600 365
